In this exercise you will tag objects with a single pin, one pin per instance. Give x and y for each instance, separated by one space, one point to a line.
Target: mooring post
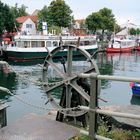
93 105
3 116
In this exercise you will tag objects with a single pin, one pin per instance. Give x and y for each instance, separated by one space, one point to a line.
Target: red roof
80 20
24 18
6 39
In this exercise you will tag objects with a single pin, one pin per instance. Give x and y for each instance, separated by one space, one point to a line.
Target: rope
35 106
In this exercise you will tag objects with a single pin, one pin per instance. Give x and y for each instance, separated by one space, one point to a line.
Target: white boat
30 47
118 45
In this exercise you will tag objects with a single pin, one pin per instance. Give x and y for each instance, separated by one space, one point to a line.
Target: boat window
48 44
90 42
26 44
34 44
55 43
93 42
123 43
82 43
23 44
70 43
37 44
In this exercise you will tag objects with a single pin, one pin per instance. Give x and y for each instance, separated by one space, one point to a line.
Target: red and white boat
119 45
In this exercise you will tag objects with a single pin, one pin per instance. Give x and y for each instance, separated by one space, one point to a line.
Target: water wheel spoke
57 69
68 96
53 102
80 90
75 92
69 63
50 89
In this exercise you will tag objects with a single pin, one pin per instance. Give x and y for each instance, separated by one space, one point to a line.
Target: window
55 43
28 25
48 44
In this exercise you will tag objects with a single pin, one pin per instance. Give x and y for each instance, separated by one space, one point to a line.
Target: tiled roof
80 20
24 18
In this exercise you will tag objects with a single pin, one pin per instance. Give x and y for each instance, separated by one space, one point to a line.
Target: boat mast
127 32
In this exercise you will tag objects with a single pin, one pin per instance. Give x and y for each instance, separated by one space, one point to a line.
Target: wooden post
3 116
93 105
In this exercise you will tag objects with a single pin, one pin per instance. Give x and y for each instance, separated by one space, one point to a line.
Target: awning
6 39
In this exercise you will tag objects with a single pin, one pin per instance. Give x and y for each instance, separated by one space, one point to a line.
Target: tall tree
43 16
59 13
93 22
19 11
101 20
108 19
6 19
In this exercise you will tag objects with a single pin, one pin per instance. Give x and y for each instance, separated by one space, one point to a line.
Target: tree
101 20
55 28
59 14
18 11
108 20
6 20
134 31
93 22
43 16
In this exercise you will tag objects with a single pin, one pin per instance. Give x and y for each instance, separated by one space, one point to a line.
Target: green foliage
117 28
43 16
103 20
107 19
134 31
59 14
18 11
57 29
137 133
6 19
94 22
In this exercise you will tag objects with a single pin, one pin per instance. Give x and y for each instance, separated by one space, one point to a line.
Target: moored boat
32 47
135 88
121 46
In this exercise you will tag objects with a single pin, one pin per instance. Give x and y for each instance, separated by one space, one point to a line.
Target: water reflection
24 82
8 81
125 64
135 100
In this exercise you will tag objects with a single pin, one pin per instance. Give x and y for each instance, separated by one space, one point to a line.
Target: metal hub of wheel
61 76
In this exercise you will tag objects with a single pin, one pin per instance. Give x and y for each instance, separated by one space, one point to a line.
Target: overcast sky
123 10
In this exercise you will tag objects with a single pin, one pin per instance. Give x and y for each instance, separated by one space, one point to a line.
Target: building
28 24
78 27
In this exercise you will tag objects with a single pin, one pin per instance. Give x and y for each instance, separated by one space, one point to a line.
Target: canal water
25 84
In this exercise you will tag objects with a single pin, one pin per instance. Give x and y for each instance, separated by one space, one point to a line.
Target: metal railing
93 105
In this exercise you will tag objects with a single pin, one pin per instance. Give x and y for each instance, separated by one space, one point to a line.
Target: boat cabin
124 43
52 41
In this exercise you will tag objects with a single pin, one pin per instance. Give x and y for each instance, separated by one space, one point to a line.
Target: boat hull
137 48
16 55
119 50
136 90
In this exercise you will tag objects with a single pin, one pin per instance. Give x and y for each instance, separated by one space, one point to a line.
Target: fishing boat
135 88
118 45
33 47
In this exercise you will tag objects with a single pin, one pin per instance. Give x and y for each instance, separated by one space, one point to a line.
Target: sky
124 10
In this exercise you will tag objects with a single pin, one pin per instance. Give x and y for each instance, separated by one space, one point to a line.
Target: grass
115 134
